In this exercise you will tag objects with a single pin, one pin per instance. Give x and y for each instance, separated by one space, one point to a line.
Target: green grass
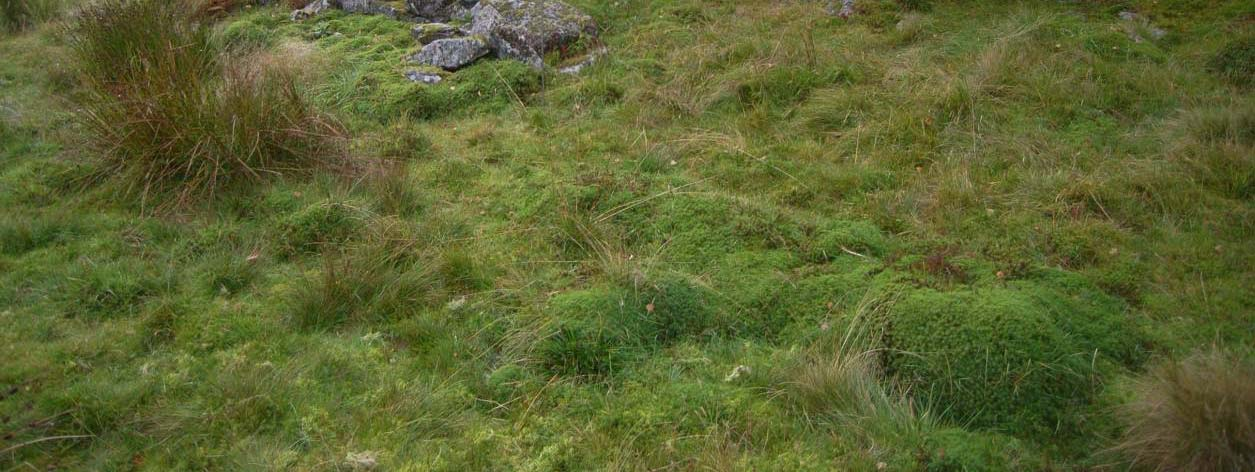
936 236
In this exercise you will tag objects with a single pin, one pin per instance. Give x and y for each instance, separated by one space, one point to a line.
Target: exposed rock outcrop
368 7
427 32
526 30
439 10
523 30
452 53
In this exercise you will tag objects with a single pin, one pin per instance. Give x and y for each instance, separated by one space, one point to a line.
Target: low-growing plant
601 330
325 225
27 233
394 188
173 116
1198 414
842 385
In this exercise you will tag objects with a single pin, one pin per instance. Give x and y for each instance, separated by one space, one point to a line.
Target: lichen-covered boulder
425 33
526 30
311 9
369 7
452 53
439 10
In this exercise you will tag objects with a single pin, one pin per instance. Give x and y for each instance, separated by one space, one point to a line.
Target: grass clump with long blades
1197 414
175 115
17 15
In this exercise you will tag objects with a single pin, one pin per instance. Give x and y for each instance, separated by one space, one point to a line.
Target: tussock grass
1236 61
600 246
1196 414
377 279
174 117
839 382
17 15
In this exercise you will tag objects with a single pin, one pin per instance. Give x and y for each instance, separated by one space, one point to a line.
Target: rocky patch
526 30
1139 28
427 32
440 10
423 77
452 53
368 7
455 33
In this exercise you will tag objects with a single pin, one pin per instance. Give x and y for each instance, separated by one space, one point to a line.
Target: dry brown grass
1195 415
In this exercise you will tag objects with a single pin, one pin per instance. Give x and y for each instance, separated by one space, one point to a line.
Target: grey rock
369 7
452 53
423 77
1139 28
439 10
312 9
526 30
846 9
365 460
588 60
427 32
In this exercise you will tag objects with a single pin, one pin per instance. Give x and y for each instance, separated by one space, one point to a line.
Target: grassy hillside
945 235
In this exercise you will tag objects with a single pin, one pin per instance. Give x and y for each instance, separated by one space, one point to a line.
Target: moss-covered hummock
1026 357
602 330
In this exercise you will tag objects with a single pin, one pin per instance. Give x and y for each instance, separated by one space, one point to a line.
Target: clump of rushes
1198 414
174 116
382 278
16 15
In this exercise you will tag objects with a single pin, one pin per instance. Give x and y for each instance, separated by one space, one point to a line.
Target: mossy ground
1019 203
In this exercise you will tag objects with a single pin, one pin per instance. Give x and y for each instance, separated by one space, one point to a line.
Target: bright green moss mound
702 229
788 85
601 330
323 224
749 285
1024 357
594 331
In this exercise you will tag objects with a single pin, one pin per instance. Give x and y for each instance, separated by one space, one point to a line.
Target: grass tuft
17 15
1236 61
381 278
1198 414
174 117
